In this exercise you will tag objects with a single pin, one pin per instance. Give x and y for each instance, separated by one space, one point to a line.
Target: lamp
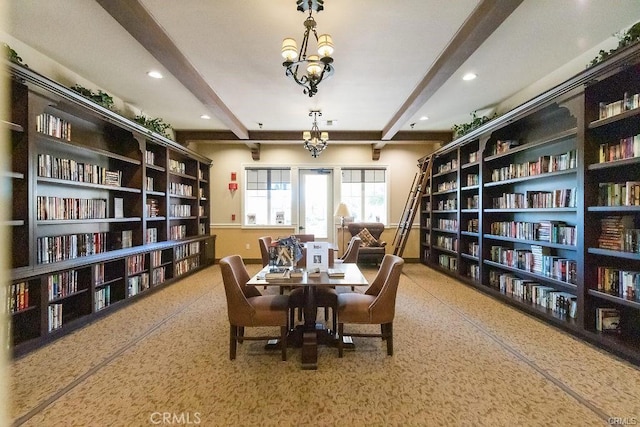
314 140
342 211
318 66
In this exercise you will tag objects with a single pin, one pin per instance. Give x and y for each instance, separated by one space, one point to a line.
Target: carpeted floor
461 358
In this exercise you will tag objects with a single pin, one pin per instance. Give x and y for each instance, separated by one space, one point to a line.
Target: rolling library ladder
420 184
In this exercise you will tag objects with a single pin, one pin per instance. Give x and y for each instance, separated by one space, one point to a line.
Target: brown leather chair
376 306
264 242
352 252
247 307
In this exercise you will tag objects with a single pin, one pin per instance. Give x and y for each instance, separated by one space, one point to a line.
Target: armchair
372 249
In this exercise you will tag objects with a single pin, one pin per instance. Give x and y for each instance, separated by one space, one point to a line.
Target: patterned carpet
461 358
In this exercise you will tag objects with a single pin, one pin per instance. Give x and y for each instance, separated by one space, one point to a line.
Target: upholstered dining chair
351 253
264 242
246 307
376 306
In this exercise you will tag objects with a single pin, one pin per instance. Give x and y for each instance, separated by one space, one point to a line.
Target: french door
315 203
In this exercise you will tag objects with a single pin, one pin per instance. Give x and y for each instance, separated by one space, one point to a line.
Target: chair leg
240 334
382 331
283 341
340 332
326 314
389 329
232 341
334 319
292 320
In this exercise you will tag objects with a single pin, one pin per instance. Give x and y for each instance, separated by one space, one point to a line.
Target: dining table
312 333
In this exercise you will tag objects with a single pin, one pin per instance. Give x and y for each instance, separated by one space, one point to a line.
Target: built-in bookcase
103 210
541 206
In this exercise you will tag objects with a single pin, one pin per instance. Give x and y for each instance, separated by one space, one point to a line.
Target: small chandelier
317 67
314 140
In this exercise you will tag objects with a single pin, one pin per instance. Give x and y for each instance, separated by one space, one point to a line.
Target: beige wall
232 238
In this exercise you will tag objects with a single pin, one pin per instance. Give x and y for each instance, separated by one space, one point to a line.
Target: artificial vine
626 38
13 56
100 98
476 122
155 125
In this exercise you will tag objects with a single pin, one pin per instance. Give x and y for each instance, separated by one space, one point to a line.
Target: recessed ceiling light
205 117
424 118
154 74
469 76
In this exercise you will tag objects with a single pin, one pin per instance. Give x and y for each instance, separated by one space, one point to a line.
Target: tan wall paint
401 161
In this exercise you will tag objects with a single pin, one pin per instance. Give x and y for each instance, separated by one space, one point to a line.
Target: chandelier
308 71
314 140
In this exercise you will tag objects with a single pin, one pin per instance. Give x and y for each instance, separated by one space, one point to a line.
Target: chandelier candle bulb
289 49
325 45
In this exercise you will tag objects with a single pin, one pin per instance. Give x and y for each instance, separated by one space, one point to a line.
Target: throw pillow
367 239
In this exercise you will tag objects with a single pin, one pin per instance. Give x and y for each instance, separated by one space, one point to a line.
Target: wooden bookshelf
84 242
555 175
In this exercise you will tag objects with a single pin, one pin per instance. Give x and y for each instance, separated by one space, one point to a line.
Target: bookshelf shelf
560 131
63 145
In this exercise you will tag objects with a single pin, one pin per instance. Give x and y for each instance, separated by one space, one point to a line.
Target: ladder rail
413 201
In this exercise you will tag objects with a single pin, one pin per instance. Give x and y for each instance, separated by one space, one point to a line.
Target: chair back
264 242
383 308
233 276
351 254
305 237
381 277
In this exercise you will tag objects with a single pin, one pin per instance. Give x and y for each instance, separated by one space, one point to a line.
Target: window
268 197
365 193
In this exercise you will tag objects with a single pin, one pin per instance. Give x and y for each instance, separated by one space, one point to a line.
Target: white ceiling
383 50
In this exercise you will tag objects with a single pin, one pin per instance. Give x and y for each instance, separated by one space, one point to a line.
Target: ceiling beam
140 24
484 20
368 137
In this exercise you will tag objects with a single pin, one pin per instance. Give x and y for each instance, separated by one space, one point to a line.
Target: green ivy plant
100 98
155 125
626 38
476 122
13 56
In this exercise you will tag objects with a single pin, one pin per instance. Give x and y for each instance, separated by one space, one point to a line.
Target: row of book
504 145
446 186
608 320
449 166
473 225
473 156
158 275
177 166
448 262
447 205
564 198
628 102
137 284
544 164
448 224
622 283
149 185
152 235
617 233
126 238
473 179
619 193
180 210
473 202
102 298
474 272
136 263
474 249
54 312
625 148
61 284
177 232
180 189
543 231
202 228
152 208
98 274
155 257
48 207
186 265
18 296
70 170
149 157
446 242
562 303
70 246
187 249
51 125
538 261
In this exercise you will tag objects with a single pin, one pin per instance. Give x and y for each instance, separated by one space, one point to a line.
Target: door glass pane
315 205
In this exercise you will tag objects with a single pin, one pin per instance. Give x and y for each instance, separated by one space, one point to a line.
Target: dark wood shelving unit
106 145
563 127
